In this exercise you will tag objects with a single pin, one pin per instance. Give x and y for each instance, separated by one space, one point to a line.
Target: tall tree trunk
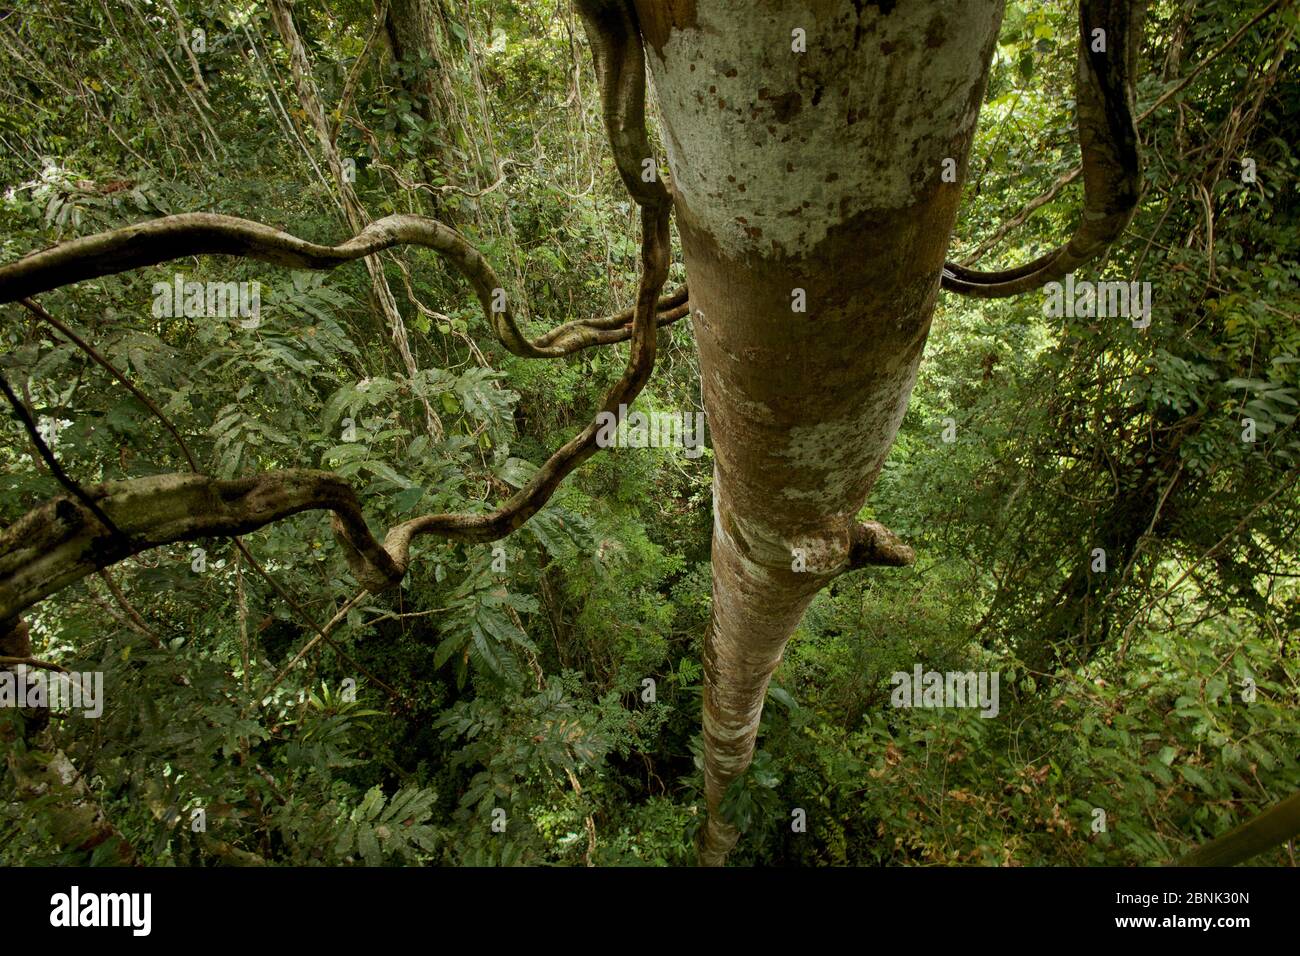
410 27
804 178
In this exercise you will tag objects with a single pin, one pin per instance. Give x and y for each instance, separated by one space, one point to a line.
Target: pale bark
817 171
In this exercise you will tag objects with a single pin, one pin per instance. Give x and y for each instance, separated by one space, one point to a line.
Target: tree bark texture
807 145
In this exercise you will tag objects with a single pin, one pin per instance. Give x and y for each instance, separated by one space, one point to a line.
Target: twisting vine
66 538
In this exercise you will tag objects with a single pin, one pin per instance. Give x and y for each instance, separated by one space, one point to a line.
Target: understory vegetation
537 701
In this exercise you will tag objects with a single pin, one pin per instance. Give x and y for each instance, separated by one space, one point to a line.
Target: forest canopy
317 549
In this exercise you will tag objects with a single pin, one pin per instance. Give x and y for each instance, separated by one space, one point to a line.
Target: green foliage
495 709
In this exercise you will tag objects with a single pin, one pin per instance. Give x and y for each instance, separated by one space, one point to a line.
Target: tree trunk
410 28
804 180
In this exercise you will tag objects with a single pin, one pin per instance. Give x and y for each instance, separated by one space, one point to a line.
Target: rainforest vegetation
581 655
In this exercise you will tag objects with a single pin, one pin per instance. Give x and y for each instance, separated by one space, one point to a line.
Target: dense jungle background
1161 691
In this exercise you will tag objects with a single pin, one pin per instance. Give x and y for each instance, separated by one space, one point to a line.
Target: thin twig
134 620
20 411
306 649
39 311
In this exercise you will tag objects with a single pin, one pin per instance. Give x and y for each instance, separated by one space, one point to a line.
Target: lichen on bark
817 171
